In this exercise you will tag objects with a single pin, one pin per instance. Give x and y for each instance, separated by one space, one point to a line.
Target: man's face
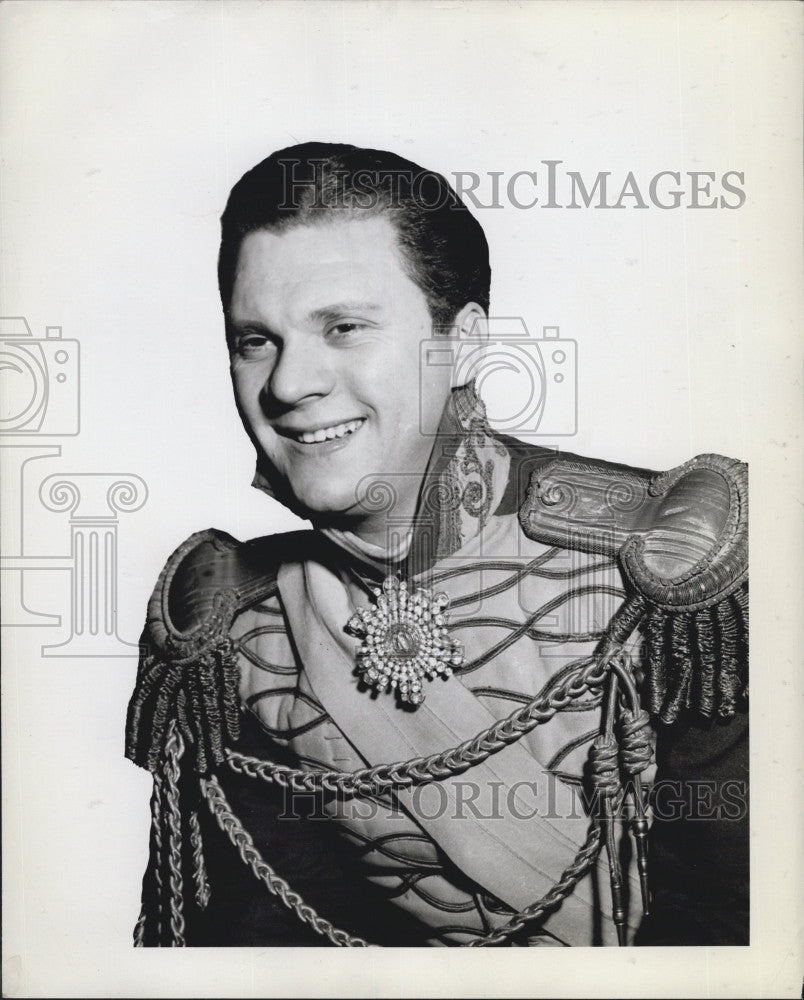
324 329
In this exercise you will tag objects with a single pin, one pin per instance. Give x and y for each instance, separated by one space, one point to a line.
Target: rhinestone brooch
404 640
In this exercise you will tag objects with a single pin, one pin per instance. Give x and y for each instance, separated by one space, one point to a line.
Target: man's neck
387 532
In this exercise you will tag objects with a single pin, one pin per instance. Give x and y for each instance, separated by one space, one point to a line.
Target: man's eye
253 345
345 330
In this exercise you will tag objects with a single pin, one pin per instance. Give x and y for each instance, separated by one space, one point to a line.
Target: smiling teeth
327 433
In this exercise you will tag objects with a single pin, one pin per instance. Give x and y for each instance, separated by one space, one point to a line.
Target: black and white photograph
384 386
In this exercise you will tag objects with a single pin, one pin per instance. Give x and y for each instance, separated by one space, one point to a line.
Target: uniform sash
507 823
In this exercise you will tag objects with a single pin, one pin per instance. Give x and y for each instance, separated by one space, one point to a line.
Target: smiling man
433 717
324 327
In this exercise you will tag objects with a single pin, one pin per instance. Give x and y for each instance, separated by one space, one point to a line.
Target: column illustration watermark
40 403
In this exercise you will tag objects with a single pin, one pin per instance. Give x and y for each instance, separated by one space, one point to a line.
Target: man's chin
329 509
345 505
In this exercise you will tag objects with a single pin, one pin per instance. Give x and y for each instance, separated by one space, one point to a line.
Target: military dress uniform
468 738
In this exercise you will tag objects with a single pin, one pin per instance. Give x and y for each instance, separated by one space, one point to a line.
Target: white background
124 125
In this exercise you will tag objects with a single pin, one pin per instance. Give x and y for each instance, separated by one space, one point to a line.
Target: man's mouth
317 435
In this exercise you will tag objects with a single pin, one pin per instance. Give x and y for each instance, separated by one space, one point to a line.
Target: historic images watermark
554 186
670 801
549 184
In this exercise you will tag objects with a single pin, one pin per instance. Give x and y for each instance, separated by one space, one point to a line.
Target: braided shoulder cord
166 845
233 828
156 840
139 930
439 765
588 674
202 893
573 686
570 877
539 710
174 747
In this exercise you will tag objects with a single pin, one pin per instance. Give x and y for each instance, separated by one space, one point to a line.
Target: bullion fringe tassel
199 691
698 659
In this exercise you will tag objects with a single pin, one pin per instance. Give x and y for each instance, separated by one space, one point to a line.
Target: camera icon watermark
528 384
40 381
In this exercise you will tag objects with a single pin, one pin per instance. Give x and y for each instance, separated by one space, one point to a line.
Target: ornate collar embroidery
404 633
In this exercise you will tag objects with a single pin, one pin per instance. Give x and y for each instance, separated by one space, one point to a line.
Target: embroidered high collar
464 482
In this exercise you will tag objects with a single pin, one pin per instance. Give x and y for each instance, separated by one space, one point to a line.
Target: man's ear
471 330
471 323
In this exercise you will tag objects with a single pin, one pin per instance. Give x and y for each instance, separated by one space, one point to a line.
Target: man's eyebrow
337 310
324 314
237 324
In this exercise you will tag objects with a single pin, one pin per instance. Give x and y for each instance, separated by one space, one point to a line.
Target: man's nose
301 371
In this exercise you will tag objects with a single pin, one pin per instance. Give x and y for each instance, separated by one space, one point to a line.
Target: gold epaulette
681 538
187 669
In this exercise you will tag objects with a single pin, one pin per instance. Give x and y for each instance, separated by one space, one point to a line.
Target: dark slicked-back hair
443 247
